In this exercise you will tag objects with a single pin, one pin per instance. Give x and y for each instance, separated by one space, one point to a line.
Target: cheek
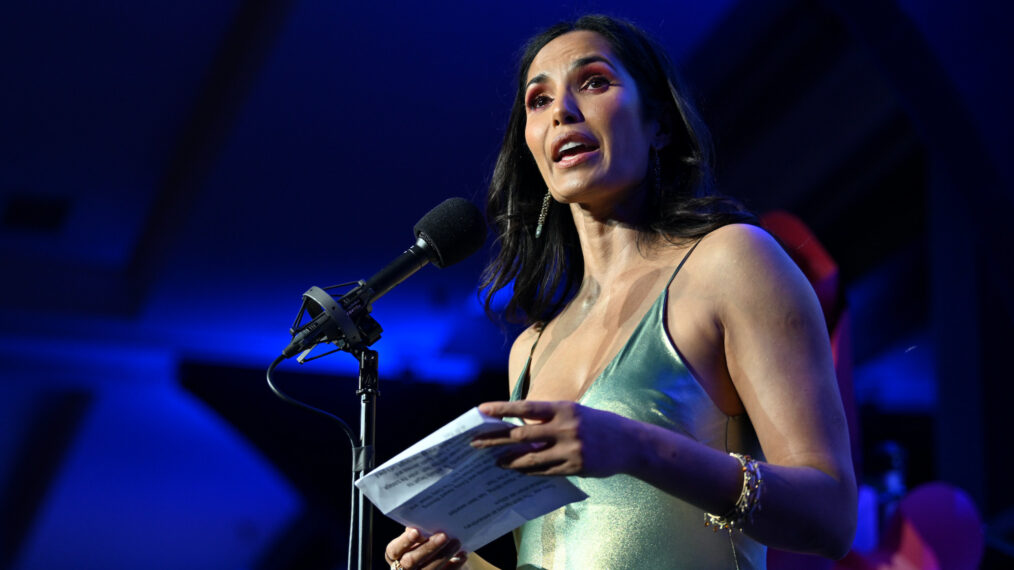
625 123
532 141
629 137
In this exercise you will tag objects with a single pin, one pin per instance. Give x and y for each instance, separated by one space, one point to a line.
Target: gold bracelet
748 502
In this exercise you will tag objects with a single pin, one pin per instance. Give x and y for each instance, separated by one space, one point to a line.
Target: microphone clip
344 322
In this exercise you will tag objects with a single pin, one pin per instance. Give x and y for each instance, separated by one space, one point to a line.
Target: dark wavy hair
547 272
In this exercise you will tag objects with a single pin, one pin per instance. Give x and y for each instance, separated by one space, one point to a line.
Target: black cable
345 427
348 432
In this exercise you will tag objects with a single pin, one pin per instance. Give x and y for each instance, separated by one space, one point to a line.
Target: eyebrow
577 64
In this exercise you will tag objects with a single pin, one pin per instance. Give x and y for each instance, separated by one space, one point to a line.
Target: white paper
442 484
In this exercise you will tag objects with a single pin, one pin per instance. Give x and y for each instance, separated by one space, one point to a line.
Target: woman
672 344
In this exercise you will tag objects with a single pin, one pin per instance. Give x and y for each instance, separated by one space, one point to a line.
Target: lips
572 144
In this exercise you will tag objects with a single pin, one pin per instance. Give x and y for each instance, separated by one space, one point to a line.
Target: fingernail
439 538
457 558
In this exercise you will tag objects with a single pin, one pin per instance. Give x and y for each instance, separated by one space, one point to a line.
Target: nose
565 110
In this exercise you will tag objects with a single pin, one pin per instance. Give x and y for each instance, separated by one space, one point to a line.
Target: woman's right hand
413 551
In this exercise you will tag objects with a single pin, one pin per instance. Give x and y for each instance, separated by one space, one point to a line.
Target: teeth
570 145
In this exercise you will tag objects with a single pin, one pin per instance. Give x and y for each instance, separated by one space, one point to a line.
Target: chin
593 192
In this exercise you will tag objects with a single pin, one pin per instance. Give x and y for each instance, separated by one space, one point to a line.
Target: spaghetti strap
527 373
534 344
680 266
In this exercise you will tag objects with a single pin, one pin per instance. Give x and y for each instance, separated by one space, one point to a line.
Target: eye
596 82
538 101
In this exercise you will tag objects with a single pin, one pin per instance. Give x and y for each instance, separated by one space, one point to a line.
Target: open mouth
573 148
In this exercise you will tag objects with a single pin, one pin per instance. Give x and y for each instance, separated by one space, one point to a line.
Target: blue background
174 176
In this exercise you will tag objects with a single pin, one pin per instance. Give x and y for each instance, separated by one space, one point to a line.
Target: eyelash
541 100
538 101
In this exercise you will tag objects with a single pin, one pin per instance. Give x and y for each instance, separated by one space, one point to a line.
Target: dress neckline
522 386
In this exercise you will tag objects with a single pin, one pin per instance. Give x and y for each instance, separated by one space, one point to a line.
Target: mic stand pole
364 456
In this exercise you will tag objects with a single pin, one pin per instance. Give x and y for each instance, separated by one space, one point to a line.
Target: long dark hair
546 272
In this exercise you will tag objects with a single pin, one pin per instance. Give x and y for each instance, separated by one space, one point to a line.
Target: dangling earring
542 215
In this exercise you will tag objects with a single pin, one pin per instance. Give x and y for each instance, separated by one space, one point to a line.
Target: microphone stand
454 227
364 454
346 323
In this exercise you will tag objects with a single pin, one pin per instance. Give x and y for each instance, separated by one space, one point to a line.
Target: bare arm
775 350
779 359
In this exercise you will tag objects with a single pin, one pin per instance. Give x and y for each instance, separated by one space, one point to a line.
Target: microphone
447 234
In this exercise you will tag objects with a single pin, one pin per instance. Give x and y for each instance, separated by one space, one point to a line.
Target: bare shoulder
738 244
520 351
745 263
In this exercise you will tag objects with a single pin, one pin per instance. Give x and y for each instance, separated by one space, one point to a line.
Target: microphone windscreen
454 229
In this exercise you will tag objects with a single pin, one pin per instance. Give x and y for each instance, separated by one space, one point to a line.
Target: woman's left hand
560 438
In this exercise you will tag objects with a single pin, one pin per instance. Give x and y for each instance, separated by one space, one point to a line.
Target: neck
609 243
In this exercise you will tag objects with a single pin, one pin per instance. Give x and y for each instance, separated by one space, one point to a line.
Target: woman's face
584 125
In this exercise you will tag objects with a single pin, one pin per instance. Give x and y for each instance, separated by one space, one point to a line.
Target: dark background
174 176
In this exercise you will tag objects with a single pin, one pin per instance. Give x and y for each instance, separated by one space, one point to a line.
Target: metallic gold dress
624 522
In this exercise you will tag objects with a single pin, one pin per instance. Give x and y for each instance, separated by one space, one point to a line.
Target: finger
528 434
532 410
511 453
430 552
442 559
534 462
500 436
399 546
